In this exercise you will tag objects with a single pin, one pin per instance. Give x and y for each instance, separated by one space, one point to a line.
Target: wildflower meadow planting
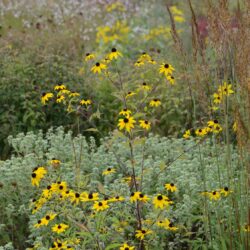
124 125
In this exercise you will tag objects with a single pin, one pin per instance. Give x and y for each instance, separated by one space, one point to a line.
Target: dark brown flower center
226 189
216 121
159 197
214 192
125 120
166 66
49 187
113 50
77 195
109 169
100 204
171 184
90 196
33 175
97 64
47 217
59 227
143 231
87 54
39 222
146 122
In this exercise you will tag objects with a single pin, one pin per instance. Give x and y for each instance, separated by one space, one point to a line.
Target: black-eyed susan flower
126 123
171 187
89 196
89 56
217 98
187 134
142 197
225 191
161 201
59 228
145 86
170 226
59 187
85 102
145 124
225 89
98 67
40 223
37 174
139 63
75 198
55 162
201 131
171 79
60 86
246 228
130 93
214 195
59 245
134 196
141 233
126 112
125 246
45 97
49 217
117 198
47 193
155 102
166 69
64 92
114 54
152 61
109 171
60 98
100 205
144 57
74 94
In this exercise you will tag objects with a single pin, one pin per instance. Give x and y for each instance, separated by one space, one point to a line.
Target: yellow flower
75 198
100 205
60 186
171 79
179 19
126 123
45 220
145 86
155 102
74 94
225 191
130 93
114 54
60 98
166 69
246 228
142 197
169 225
134 196
98 67
85 102
201 131
217 128
40 223
225 89
89 197
59 86
59 245
55 162
89 56
161 201
37 175
144 57
171 187
214 195
139 63
59 228
176 11
187 134
108 171
126 112
64 91
235 126
117 198
45 97
125 246
217 98
152 61
140 234
145 124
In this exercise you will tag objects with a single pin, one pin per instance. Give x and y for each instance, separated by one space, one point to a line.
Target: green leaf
91 130
112 246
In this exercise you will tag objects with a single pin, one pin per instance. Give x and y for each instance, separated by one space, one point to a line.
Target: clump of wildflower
126 112
155 102
114 54
125 246
166 69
